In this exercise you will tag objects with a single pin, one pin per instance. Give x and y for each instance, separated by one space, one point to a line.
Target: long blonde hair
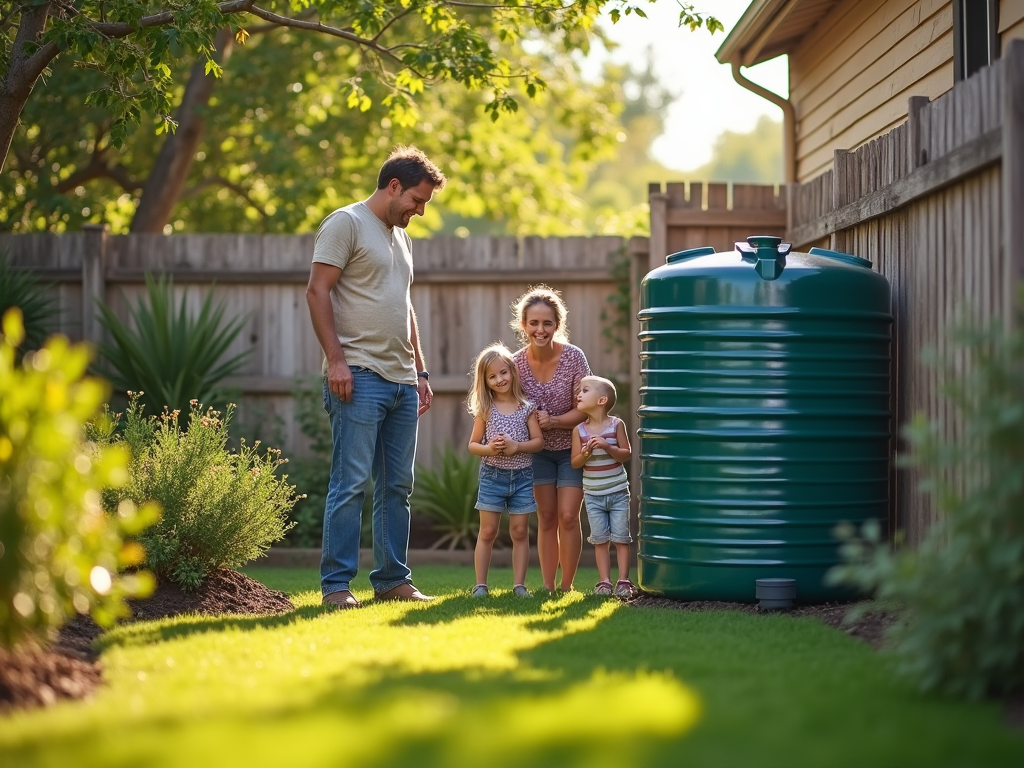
540 294
480 400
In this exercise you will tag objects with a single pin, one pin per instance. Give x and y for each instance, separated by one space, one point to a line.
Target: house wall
1011 21
851 78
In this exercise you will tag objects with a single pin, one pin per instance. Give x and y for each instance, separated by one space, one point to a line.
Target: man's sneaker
520 590
625 589
480 590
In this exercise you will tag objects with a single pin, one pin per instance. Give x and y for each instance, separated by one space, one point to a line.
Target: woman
550 369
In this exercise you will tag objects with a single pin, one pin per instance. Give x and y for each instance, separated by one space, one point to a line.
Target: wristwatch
424 375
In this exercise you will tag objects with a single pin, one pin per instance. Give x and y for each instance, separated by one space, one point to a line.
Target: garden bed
32 676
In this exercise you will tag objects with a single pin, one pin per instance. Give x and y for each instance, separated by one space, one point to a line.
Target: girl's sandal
603 588
625 589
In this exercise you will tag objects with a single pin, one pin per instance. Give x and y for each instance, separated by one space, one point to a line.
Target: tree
280 150
398 49
753 158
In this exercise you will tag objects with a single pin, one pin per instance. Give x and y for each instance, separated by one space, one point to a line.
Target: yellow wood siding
852 76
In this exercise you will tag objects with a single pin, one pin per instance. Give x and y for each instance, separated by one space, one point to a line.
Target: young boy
600 446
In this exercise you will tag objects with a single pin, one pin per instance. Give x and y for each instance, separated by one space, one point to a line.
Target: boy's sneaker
625 589
520 590
603 588
480 590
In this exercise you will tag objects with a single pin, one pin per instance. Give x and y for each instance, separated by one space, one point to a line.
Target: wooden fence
462 293
937 205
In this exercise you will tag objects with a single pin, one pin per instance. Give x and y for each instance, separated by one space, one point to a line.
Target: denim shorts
556 467
609 518
506 490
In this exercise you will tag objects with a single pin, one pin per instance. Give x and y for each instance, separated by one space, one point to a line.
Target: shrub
59 552
20 288
171 357
447 495
962 589
220 508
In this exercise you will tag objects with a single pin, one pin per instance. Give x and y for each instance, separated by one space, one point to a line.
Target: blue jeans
374 433
506 490
609 518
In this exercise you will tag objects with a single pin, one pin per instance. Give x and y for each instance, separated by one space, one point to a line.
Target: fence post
94 280
915 137
840 195
658 250
1013 172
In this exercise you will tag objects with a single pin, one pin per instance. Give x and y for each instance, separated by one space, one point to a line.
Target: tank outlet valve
775 594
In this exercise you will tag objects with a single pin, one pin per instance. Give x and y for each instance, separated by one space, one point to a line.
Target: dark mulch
32 677
869 626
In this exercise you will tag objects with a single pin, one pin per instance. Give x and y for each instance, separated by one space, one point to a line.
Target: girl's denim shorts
506 490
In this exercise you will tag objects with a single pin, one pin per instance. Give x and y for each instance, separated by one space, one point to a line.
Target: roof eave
760 18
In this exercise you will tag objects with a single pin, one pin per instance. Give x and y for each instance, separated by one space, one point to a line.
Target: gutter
742 48
788 120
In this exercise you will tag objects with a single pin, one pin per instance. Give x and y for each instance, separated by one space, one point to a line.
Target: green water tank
764 417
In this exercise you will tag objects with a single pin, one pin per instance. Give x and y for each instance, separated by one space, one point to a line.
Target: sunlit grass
562 680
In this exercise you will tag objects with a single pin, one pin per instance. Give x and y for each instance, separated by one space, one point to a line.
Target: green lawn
563 681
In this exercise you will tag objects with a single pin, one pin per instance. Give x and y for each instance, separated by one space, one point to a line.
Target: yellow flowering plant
60 553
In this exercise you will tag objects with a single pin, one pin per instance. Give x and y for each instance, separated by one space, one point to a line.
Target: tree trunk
24 70
163 187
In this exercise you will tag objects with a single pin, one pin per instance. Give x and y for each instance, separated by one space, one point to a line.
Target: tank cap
846 258
768 254
689 254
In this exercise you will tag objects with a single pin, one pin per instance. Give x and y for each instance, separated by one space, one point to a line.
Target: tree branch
220 181
316 26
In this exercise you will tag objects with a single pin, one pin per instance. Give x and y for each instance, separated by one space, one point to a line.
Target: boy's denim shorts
555 467
609 518
506 490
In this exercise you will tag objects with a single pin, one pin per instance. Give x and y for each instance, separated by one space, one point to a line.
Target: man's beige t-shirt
371 299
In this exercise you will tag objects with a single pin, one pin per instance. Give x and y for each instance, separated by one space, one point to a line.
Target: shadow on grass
592 684
178 627
533 709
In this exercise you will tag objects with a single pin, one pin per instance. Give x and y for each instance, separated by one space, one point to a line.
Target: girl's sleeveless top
557 396
513 425
603 475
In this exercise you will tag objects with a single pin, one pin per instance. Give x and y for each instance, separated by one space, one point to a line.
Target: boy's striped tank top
602 474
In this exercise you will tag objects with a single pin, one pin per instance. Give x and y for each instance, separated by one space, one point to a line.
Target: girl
505 433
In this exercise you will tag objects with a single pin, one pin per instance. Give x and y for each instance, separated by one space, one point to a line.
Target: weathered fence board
462 294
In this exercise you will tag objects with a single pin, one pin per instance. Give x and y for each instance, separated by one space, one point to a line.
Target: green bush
59 553
447 495
20 288
962 590
170 357
221 508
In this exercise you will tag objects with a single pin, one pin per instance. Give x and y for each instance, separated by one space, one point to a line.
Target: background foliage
170 356
280 140
60 554
962 589
20 288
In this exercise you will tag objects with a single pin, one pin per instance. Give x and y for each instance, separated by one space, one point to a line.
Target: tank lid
847 258
689 254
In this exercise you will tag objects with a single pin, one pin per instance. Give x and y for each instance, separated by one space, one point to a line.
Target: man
375 380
